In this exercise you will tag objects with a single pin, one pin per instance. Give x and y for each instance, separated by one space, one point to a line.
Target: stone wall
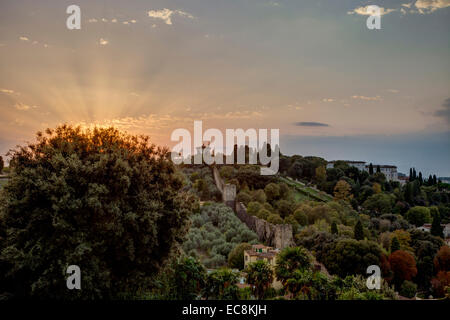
229 195
275 235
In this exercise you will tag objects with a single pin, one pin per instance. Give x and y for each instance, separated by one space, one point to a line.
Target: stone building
268 254
388 170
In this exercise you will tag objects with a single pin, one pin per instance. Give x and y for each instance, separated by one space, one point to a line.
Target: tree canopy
100 199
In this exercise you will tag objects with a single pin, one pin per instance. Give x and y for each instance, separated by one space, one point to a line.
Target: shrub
236 256
275 219
253 208
244 197
408 289
301 217
263 214
259 196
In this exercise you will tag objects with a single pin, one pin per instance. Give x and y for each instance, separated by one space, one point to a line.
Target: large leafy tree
350 256
442 259
418 215
289 260
236 256
260 277
108 202
188 279
307 284
342 191
403 265
221 284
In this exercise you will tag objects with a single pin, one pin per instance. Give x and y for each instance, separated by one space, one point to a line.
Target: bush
244 197
259 196
301 217
263 214
253 208
408 289
284 208
275 219
236 256
272 191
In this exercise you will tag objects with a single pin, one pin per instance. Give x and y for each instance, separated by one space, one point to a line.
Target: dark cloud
311 124
445 112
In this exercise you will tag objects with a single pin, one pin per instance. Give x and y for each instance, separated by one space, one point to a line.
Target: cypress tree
359 232
420 178
436 229
395 244
409 193
334 229
371 169
378 169
411 175
434 180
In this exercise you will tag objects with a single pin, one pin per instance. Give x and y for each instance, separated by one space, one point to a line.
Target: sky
312 69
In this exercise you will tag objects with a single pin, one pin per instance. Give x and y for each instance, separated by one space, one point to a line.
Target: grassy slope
306 193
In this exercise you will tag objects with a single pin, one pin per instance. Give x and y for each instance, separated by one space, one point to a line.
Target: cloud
445 112
376 98
23 107
362 11
23 38
273 4
7 91
328 100
311 124
429 6
166 15
103 42
393 90
419 6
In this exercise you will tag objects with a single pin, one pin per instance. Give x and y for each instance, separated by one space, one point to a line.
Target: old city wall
275 235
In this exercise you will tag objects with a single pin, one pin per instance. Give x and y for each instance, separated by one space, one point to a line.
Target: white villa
389 171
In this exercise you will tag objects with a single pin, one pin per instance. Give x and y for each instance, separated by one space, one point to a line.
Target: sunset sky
310 68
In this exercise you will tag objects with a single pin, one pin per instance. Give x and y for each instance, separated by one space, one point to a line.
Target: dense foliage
103 200
214 232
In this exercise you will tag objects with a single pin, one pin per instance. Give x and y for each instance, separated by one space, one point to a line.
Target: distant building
389 171
444 179
262 252
403 179
445 229
357 164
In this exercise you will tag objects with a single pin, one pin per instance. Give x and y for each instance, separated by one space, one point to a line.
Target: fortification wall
275 235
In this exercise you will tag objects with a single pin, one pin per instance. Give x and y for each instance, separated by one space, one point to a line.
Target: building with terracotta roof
262 252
